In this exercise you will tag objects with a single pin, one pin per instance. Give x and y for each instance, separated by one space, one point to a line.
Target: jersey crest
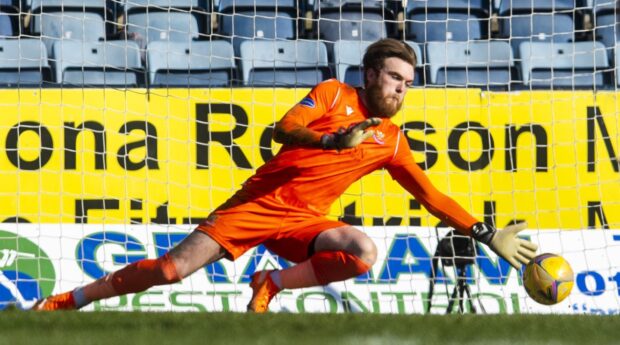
379 137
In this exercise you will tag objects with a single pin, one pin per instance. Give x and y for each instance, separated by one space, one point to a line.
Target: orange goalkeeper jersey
313 178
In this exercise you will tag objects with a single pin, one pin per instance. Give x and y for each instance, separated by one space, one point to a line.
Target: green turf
18 327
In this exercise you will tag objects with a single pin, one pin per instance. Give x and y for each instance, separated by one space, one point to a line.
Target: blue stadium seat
69 26
447 20
73 20
284 63
362 20
442 26
196 63
23 62
10 22
563 65
111 63
101 4
155 25
479 7
131 5
536 21
508 7
6 25
100 7
241 20
348 61
539 27
197 8
605 24
483 64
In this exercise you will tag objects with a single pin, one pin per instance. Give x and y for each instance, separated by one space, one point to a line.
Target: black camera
456 250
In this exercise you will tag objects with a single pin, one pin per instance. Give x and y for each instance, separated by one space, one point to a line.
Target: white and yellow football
548 279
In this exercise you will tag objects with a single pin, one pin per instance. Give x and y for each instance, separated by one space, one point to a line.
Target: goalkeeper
331 138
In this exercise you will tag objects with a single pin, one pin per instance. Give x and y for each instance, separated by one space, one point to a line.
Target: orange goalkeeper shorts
286 231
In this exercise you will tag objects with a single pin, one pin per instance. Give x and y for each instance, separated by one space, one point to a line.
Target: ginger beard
380 105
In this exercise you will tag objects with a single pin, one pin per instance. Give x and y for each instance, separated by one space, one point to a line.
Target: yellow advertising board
172 155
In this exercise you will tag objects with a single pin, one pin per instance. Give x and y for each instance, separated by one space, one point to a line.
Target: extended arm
505 243
413 179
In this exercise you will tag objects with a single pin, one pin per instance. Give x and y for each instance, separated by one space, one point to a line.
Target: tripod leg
451 301
469 299
464 292
471 303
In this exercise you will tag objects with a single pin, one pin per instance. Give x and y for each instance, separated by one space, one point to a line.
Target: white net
125 123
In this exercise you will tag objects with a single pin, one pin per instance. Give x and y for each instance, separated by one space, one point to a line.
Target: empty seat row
147 27
25 62
297 63
491 64
332 20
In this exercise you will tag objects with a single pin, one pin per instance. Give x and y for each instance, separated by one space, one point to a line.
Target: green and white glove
505 243
351 137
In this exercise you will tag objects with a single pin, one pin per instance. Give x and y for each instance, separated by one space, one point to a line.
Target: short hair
385 48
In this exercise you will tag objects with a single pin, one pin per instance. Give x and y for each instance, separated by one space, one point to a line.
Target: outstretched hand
515 250
351 137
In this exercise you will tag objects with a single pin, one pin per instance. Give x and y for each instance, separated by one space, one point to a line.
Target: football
548 279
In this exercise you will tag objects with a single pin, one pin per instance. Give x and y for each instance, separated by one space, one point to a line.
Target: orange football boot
264 289
63 301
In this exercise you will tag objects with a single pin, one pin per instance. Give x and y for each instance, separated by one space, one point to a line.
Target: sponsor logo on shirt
349 110
308 102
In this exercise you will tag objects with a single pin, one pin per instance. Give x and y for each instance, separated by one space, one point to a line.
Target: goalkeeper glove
505 243
355 135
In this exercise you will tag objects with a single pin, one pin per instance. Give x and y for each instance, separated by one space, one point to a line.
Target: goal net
125 123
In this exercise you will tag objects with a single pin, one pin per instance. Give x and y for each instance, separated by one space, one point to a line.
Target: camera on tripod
458 251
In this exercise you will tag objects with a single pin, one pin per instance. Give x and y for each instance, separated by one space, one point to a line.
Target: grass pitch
18 327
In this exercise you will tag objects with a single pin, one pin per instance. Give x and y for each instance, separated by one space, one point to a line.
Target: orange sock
337 266
321 269
299 276
136 277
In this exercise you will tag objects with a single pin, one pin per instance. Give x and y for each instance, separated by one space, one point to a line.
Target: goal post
125 123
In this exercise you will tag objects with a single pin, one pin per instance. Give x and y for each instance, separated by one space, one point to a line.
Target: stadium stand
112 63
193 5
284 63
72 20
364 20
154 24
344 27
197 63
563 65
23 62
458 20
242 20
167 12
481 64
536 21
